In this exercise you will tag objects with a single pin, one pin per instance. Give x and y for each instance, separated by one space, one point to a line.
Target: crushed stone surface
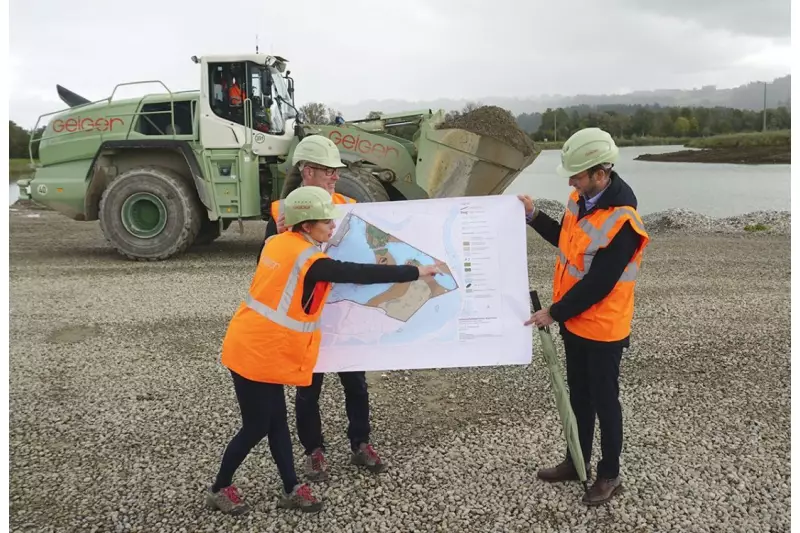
120 410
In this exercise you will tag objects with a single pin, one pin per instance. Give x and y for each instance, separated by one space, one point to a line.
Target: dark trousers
356 397
593 379
263 408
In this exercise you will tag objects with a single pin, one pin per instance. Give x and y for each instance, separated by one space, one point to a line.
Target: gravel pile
778 222
119 409
685 221
553 208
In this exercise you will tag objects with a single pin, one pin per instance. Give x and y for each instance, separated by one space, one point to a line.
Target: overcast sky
352 50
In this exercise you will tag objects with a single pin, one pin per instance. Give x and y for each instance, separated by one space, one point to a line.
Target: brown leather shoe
564 471
602 490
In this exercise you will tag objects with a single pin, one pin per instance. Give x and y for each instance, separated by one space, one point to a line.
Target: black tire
361 185
209 232
178 213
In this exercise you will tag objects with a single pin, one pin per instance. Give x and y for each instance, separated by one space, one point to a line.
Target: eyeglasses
328 171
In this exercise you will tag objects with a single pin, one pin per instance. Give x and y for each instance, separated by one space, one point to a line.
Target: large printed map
429 322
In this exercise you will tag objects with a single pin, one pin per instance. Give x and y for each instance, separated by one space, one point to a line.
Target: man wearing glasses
317 162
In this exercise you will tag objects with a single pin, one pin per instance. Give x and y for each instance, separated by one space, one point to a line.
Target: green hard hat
584 149
308 203
317 149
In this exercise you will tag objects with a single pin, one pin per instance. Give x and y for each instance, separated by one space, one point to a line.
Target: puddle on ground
72 334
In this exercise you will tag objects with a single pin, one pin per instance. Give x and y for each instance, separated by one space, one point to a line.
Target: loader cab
231 84
243 106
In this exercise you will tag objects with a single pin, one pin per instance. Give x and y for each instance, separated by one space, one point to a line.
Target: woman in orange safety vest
273 339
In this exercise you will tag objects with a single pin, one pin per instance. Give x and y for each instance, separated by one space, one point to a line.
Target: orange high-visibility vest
270 338
277 206
610 318
235 95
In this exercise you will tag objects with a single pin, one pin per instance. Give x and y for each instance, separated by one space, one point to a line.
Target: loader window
250 80
227 91
156 119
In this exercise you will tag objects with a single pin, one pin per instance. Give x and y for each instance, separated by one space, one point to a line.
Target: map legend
481 270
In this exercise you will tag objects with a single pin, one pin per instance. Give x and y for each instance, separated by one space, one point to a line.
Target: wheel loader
169 170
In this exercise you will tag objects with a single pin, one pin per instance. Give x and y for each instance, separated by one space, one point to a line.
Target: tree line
621 120
18 139
628 121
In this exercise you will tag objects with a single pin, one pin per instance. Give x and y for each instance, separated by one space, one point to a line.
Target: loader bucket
457 162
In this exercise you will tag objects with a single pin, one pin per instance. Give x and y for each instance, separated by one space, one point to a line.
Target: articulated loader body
168 170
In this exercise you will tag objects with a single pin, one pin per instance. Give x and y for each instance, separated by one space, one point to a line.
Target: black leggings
263 408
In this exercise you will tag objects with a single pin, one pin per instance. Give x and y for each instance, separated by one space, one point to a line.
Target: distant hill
749 96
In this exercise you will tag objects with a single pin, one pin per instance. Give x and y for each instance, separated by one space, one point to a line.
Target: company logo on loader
72 125
362 146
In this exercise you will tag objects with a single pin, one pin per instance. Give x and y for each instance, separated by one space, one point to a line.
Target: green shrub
756 227
737 140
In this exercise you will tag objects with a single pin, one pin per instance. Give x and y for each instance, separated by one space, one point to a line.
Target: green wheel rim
144 215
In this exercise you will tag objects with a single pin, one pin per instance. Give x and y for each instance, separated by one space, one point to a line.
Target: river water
714 190
13 190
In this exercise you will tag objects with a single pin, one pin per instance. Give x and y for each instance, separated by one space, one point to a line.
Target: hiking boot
602 490
564 471
366 456
316 466
300 498
227 500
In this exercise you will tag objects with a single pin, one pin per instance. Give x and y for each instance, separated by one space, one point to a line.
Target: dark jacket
334 271
609 263
272 229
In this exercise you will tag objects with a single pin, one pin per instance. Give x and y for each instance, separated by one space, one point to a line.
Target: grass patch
18 167
633 141
756 227
781 138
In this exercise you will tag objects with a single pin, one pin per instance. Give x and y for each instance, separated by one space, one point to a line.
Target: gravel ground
119 409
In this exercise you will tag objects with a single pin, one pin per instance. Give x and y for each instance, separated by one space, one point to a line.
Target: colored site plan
360 241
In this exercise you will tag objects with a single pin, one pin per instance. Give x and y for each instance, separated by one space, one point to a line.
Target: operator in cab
317 161
235 95
273 339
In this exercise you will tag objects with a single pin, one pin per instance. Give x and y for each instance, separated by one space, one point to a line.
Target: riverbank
756 155
119 406
743 148
754 148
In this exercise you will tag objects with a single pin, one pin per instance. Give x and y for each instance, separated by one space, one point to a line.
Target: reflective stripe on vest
281 315
599 239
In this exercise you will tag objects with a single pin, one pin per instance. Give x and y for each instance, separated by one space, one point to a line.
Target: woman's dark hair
297 227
